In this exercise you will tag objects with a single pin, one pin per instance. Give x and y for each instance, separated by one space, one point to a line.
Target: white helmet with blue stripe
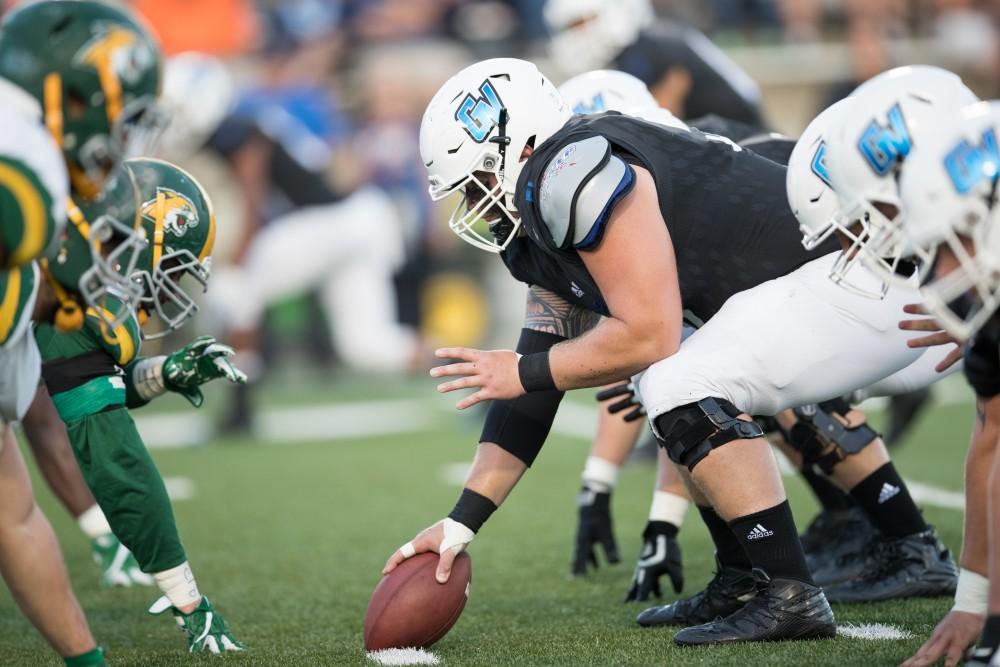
472 137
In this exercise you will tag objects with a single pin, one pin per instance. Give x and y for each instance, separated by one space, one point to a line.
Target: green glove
198 362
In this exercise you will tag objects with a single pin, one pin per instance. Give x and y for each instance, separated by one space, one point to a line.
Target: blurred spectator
220 27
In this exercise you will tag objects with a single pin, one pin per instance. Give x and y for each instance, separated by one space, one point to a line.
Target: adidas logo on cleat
759 532
888 491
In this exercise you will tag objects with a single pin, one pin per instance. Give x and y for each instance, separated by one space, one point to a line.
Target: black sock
830 496
991 633
772 543
727 548
888 504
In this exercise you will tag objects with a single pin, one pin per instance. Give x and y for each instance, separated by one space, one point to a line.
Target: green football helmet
176 216
96 72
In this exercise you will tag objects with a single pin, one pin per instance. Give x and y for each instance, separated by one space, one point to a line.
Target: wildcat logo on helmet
480 115
116 50
818 164
178 212
883 146
967 165
596 105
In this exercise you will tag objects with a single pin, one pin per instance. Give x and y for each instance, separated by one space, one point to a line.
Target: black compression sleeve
521 425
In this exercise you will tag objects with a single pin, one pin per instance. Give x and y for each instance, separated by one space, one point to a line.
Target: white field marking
933 495
297 424
576 420
872 631
179 488
454 474
403 656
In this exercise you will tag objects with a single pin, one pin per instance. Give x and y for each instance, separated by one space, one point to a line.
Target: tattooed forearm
549 312
981 412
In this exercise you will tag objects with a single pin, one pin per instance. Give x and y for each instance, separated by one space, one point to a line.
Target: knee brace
818 428
691 431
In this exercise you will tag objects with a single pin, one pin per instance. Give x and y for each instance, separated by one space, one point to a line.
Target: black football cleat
836 532
728 590
782 609
906 567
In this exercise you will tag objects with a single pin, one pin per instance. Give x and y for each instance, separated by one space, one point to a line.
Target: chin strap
69 316
502 141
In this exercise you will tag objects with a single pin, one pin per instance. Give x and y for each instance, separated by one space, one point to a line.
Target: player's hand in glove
661 554
628 400
594 528
205 628
200 361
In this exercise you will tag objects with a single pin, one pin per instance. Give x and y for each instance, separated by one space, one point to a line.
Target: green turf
288 542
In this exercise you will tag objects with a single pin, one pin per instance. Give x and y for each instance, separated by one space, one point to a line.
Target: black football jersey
718 85
752 137
725 209
982 359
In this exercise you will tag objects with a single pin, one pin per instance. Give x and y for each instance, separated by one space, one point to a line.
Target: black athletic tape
472 510
520 426
535 372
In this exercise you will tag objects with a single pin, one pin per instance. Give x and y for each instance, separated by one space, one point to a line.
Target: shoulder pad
579 188
122 343
18 290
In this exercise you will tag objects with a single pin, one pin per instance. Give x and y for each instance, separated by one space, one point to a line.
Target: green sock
92 658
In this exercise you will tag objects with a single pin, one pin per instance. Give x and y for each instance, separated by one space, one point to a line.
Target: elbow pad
520 426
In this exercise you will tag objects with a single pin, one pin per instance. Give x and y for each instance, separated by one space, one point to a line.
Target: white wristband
455 534
972 594
147 378
599 474
668 507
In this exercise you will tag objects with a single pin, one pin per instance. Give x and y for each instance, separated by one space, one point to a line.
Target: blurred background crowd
301 119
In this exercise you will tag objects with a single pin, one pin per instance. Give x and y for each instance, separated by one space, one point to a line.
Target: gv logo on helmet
177 211
883 146
967 165
818 164
596 105
480 115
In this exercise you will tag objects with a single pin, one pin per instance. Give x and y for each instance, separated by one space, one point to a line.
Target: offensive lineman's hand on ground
494 373
594 528
626 390
938 336
447 537
661 555
952 637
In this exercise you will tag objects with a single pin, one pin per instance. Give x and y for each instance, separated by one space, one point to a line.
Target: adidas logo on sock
887 492
759 532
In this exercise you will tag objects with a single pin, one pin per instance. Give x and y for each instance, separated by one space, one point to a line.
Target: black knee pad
691 431
818 427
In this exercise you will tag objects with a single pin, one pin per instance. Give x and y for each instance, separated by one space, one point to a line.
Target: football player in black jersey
611 216
685 71
948 193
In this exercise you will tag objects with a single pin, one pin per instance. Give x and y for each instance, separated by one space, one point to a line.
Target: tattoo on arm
981 412
550 313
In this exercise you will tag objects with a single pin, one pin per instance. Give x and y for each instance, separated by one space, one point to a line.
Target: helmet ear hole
529 147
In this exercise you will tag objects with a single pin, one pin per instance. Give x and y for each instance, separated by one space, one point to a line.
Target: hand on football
629 400
447 537
493 373
938 336
594 528
661 555
952 637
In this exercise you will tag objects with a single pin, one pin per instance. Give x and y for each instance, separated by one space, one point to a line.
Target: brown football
409 608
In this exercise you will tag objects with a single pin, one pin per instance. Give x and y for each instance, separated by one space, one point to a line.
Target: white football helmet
589 34
611 90
198 92
474 131
816 206
894 112
948 189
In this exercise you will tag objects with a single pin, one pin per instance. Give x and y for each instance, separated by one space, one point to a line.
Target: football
409 608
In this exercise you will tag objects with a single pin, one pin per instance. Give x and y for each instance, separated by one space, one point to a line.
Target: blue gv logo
883 146
480 115
968 165
819 164
596 105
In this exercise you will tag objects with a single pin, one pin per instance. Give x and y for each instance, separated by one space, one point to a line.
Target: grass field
288 539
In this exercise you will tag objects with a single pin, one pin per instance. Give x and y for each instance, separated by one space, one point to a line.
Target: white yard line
179 488
934 495
872 631
454 474
403 656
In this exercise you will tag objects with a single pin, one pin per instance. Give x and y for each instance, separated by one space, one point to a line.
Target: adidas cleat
118 565
205 629
782 609
728 590
906 567
837 532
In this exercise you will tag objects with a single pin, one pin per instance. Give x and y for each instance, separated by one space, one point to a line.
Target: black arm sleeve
982 366
521 425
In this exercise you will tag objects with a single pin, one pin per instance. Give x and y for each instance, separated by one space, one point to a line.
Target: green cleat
205 628
118 565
